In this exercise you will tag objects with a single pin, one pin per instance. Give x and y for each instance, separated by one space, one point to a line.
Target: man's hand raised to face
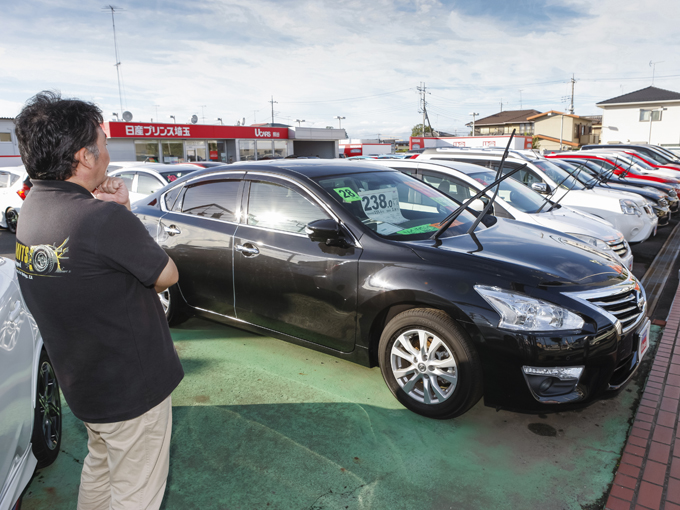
113 189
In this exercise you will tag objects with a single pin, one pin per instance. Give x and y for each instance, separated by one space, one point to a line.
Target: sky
318 60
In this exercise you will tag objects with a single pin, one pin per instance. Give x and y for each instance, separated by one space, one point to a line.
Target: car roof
311 168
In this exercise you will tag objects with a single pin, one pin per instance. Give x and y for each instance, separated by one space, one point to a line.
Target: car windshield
656 157
633 161
512 192
396 205
173 176
558 175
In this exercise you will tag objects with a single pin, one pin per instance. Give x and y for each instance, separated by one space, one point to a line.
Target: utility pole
571 107
115 47
520 98
254 117
501 104
156 106
423 90
273 102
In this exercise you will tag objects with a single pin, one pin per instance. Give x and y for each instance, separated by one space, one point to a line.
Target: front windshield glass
635 162
558 175
656 157
395 205
512 192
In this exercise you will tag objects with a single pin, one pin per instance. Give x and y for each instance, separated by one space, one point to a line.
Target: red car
621 167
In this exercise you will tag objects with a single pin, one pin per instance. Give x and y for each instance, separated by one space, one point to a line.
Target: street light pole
173 118
339 120
300 121
474 114
651 115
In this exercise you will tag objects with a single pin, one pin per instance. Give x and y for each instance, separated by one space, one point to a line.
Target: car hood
525 254
567 220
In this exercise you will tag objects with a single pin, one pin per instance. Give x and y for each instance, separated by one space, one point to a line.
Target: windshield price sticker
347 194
382 205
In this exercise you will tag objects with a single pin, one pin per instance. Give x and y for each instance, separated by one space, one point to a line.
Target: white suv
629 213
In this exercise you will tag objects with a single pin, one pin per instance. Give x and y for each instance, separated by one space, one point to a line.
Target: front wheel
430 364
11 218
46 437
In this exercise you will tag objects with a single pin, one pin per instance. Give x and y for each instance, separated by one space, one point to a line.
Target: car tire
47 424
44 259
429 364
11 218
176 311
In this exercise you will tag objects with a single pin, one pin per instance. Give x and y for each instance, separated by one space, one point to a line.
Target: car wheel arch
384 316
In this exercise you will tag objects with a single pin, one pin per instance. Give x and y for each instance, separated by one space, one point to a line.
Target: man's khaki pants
127 467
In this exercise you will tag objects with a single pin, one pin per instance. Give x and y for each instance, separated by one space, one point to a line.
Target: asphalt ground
260 423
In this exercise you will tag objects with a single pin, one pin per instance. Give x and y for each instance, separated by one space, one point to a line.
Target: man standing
89 273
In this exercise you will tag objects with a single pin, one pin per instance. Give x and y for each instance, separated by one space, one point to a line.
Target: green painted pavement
260 423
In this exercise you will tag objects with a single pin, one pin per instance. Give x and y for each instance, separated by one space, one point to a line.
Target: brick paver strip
648 476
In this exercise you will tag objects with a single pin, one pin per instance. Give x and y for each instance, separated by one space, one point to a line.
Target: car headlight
593 241
629 207
523 313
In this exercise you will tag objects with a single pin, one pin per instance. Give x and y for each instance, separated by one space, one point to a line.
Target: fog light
553 384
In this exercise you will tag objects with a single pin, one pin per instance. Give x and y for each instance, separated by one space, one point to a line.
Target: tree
535 142
418 130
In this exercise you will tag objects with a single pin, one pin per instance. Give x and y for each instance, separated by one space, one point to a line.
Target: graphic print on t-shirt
41 259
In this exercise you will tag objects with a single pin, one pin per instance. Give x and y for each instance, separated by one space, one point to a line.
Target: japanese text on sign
157 131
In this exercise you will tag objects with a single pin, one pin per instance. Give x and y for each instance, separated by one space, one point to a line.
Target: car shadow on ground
260 423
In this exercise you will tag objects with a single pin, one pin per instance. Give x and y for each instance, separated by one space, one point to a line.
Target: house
9 147
503 123
650 115
558 130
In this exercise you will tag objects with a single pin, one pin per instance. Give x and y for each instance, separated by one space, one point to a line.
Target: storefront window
264 149
196 150
173 152
146 151
280 148
217 151
246 150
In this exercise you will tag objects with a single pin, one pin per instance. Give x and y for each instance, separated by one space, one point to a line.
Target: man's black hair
51 130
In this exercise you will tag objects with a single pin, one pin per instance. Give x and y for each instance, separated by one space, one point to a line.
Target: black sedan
354 261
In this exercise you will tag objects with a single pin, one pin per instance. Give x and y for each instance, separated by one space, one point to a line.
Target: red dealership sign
182 131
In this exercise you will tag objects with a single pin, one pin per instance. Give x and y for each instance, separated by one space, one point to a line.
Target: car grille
625 302
619 246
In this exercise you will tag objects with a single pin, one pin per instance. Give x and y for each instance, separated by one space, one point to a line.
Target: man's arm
168 277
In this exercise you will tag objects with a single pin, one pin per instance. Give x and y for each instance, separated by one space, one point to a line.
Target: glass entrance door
196 150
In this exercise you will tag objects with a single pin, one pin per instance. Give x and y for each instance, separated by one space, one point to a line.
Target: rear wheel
11 218
430 364
46 437
176 311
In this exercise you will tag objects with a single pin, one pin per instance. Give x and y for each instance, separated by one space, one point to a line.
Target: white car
629 213
462 181
141 181
12 194
30 405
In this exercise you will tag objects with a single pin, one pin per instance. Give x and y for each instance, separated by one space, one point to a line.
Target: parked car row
371 264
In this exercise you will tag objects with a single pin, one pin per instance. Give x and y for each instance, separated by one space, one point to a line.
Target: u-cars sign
202 131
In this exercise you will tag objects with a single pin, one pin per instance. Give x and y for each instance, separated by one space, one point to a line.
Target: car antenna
446 222
499 173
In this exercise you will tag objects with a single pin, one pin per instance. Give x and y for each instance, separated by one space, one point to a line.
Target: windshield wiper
498 185
446 222
574 172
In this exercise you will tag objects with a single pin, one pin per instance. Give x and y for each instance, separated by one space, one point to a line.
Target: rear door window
214 199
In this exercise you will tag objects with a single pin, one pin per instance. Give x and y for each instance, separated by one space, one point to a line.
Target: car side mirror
541 187
328 232
477 205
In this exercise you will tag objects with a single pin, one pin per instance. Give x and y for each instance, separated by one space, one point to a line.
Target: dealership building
177 143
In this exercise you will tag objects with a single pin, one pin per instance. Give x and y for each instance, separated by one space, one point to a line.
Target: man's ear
84 158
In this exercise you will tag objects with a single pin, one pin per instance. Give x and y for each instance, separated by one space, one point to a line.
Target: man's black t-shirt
86 270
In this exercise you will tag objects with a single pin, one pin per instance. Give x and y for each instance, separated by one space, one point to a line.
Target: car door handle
172 230
247 249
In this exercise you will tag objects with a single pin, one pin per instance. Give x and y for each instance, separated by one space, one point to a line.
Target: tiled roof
649 94
507 117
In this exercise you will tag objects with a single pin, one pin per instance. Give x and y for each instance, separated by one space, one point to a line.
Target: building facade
650 115
503 123
558 130
9 148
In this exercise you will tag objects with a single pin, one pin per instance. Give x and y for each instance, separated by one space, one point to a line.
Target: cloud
319 59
